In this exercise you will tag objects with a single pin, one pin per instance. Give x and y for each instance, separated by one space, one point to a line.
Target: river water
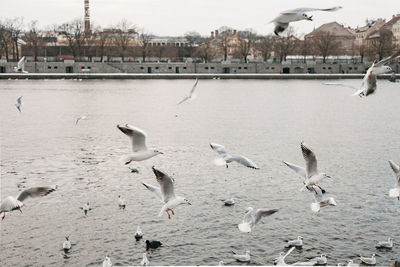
264 120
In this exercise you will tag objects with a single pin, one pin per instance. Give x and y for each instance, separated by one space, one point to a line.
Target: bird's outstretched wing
35 192
245 161
21 63
394 166
190 96
263 213
219 149
311 160
156 190
388 59
137 136
166 185
297 169
342 84
309 9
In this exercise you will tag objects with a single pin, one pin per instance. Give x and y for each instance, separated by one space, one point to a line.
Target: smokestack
212 35
87 18
216 33
234 32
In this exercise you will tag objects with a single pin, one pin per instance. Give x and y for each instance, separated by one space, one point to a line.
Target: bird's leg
126 163
20 210
227 165
3 215
173 213
169 216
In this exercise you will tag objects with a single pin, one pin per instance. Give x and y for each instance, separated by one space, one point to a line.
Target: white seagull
242 258
369 261
305 263
352 264
12 203
395 192
166 193
66 244
319 200
121 203
191 94
139 233
385 244
21 66
19 103
83 117
310 174
250 219
280 261
224 158
296 243
368 84
107 262
145 261
321 260
228 202
282 21
140 150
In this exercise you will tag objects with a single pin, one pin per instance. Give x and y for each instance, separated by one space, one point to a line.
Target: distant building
343 35
371 26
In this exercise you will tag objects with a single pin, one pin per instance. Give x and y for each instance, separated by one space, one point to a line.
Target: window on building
245 68
184 68
212 68
350 68
141 68
157 68
323 68
49 67
329 68
169 68
272 68
240 68
206 68
55 67
89 67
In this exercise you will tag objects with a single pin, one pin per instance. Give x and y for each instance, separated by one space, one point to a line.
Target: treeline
128 42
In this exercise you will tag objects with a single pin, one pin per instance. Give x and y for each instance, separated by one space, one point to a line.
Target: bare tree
124 33
361 49
206 50
304 48
382 45
325 44
194 40
74 32
265 45
5 39
33 40
15 27
284 44
247 42
225 33
144 43
103 40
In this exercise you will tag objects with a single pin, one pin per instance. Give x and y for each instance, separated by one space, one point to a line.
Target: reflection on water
264 120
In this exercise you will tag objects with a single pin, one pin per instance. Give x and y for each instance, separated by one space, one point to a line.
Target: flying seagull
83 117
166 193
310 173
395 192
319 200
12 203
280 261
191 94
368 84
140 150
19 103
21 66
282 21
224 158
250 219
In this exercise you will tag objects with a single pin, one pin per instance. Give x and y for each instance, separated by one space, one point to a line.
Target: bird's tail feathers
394 192
315 206
219 161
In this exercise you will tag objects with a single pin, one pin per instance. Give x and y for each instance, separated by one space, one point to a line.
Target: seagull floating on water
107 262
321 260
282 21
228 202
319 200
369 261
250 219
296 243
385 244
86 208
11 203
139 233
121 203
166 194
140 150
310 174
19 103
66 244
224 158
145 261
305 263
242 258
21 66
352 264
191 95
395 192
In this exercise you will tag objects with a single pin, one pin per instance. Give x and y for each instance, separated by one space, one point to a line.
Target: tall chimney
87 18
212 35
216 33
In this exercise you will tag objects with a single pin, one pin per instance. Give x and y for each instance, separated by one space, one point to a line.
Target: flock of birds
165 191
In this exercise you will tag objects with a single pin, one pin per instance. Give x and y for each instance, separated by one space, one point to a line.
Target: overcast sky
176 17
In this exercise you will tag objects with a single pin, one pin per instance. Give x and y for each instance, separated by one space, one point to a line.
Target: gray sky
175 17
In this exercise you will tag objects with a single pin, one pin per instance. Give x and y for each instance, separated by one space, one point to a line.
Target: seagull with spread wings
21 66
310 174
224 158
250 219
282 21
165 193
11 203
19 103
319 200
368 84
138 139
191 94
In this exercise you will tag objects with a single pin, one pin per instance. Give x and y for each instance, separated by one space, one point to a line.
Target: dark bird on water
153 244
